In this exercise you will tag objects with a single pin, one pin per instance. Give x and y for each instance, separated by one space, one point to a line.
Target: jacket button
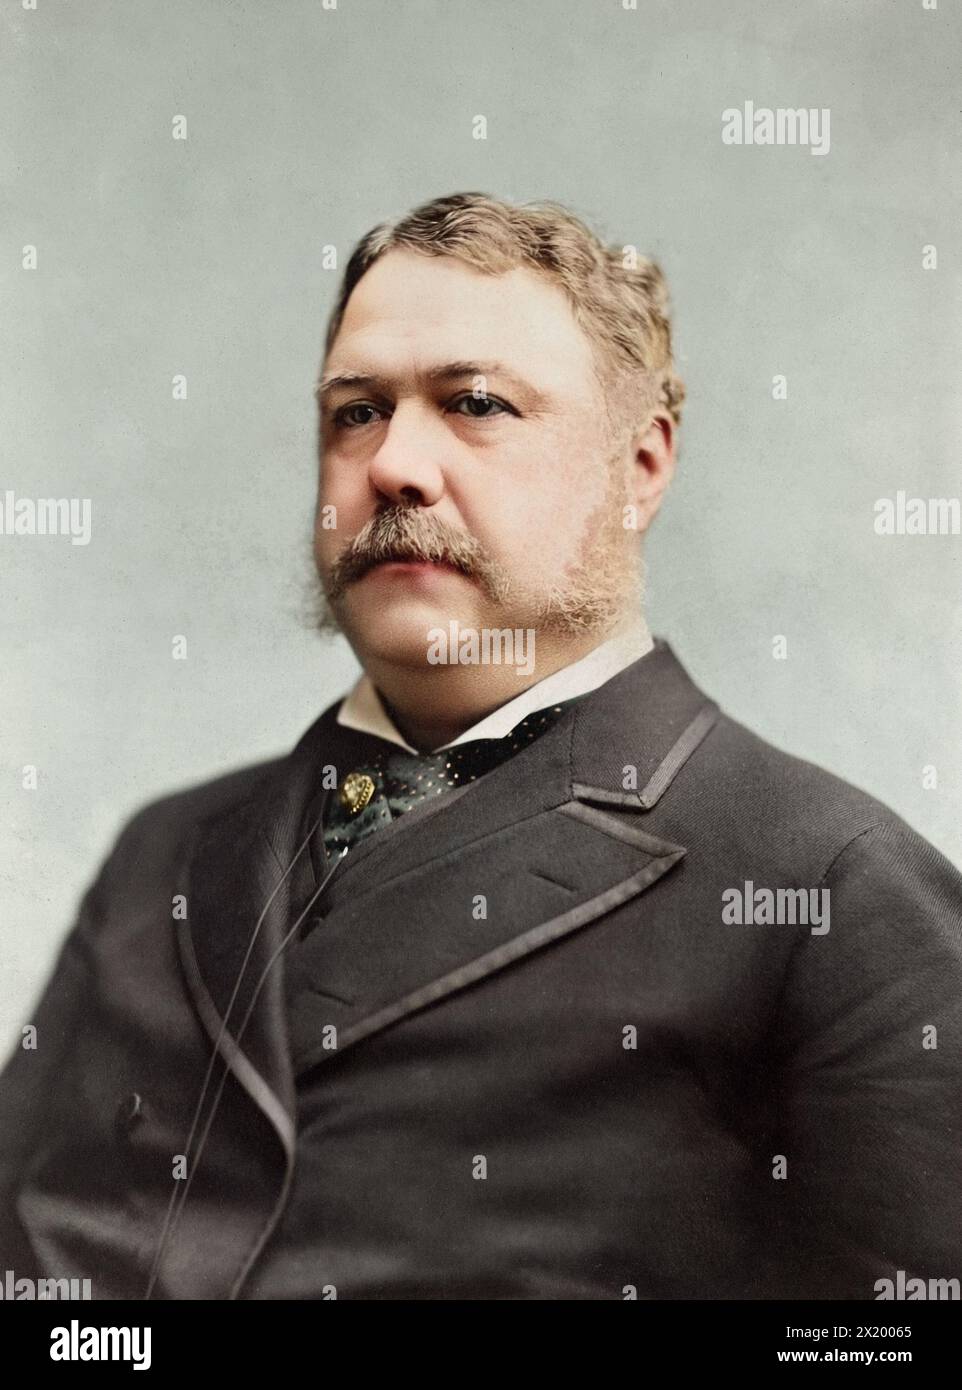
130 1112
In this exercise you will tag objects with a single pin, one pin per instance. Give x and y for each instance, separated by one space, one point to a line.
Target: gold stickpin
356 791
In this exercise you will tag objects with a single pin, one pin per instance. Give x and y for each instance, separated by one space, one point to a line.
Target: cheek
325 540
333 489
534 524
341 511
517 526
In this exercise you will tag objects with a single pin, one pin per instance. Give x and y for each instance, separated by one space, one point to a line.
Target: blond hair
619 298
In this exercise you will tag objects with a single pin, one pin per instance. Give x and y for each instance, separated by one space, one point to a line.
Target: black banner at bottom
166 1339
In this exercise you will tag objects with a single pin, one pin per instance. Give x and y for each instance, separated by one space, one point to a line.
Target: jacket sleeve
29 1080
871 1105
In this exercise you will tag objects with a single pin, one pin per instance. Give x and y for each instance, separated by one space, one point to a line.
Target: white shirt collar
363 710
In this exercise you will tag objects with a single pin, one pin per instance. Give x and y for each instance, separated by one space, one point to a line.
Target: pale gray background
306 127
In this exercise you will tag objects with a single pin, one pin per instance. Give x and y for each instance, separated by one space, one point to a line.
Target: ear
653 454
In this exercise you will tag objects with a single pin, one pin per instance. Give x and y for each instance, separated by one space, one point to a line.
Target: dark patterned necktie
393 781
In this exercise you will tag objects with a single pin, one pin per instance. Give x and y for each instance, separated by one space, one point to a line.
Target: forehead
413 309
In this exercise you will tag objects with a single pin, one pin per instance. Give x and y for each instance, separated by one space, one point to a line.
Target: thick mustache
406 534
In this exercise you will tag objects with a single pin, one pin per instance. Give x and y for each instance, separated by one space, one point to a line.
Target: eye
351 415
479 407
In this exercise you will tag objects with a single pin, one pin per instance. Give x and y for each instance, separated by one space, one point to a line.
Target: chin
395 632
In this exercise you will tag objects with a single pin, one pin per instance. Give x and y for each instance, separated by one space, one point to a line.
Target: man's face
476 434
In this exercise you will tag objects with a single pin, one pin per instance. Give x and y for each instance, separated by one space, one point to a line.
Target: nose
406 467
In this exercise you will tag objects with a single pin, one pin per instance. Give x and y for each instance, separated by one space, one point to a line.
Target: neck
434 704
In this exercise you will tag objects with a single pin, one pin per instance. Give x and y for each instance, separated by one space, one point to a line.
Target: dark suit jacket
588 1087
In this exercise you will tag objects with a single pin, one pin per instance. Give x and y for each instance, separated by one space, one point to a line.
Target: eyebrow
445 371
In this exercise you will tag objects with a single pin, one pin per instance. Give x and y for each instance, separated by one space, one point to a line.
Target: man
528 974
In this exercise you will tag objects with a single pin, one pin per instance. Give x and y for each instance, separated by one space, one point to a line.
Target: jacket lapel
246 868
453 892
541 847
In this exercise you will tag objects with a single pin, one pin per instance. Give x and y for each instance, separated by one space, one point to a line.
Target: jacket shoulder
796 810
169 818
